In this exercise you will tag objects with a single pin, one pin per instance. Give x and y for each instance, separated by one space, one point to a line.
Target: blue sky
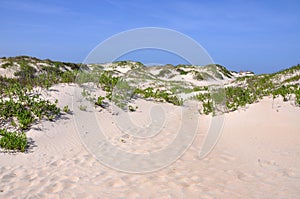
261 36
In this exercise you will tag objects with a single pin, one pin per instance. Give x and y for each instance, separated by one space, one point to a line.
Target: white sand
257 156
9 73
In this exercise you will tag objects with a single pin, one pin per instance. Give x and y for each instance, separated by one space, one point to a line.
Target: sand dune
257 156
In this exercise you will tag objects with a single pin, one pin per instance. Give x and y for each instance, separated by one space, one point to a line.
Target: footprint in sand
57 187
8 177
226 157
245 177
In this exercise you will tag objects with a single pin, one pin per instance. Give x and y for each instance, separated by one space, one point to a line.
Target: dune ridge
257 155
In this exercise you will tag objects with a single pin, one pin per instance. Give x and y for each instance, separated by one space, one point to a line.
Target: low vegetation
159 95
21 105
16 141
253 88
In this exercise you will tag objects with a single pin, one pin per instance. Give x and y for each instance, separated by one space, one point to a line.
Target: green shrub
13 140
25 118
292 79
26 106
108 82
164 73
297 93
132 108
68 77
66 109
174 100
6 65
224 71
158 95
182 72
82 107
26 73
207 107
205 98
238 97
85 93
121 63
197 76
100 101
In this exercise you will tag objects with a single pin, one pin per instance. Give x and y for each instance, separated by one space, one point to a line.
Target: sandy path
258 156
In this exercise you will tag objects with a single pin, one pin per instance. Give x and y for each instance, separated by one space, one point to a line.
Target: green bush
82 107
206 100
181 72
132 108
224 71
6 65
297 93
198 76
68 77
207 107
66 109
25 118
85 93
13 140
238 97
26 73
20 107
292 79
164 73
108 82
149 93
100 101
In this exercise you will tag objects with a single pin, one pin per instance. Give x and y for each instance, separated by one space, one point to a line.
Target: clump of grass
292 79
100 101
108 82
198 76
132 108
224 71
26 106
20 107
82 107
297 93
164 73
160 95
85 93
66 109
13 140
254 89
205 99
6 65
182 72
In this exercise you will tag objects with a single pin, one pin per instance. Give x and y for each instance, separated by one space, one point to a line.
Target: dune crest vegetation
22 78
